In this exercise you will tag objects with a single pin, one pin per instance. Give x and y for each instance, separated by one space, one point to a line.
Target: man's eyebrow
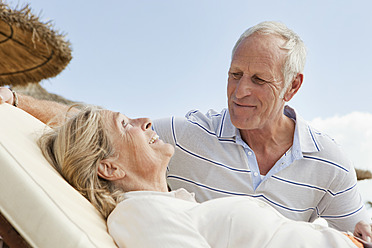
234 67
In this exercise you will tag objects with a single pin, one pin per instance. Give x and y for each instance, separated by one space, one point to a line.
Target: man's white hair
296 55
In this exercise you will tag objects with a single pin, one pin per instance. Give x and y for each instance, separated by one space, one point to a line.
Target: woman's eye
124 123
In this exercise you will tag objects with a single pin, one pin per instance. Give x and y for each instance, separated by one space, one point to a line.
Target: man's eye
258 80
236 75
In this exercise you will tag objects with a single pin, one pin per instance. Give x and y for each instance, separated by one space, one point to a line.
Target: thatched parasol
29 49
363 174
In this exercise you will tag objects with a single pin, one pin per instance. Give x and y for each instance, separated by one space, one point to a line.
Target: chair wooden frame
10 235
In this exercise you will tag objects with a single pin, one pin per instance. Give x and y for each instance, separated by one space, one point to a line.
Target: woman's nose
144 123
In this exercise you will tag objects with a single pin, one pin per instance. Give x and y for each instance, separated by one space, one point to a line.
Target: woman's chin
170 150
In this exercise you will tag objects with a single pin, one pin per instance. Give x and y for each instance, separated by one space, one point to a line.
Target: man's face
256 81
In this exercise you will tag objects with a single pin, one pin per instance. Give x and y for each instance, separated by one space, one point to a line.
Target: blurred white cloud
353 132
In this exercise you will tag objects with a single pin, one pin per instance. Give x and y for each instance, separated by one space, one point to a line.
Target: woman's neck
158 185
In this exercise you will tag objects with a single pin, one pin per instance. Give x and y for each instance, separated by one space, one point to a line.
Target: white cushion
35 199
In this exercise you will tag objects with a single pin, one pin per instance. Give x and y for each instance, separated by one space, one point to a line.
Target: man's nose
244 87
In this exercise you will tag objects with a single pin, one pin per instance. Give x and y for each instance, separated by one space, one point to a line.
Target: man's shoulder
330 151
326 141
315 140
212 122
211 117
320 146
197 115
195 124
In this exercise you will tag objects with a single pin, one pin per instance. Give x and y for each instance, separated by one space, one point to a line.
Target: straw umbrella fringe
30 50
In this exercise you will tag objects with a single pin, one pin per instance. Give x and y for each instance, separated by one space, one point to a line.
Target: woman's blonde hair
76 149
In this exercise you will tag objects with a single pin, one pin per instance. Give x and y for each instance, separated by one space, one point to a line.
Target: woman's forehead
110 118
114 119
108 114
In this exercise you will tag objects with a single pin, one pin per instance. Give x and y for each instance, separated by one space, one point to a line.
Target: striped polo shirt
312 179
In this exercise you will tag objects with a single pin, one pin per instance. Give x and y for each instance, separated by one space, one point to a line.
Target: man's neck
271 142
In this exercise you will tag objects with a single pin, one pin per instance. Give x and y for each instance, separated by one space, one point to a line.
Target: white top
313 179
155 219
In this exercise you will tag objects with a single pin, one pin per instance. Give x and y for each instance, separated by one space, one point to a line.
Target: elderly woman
119 165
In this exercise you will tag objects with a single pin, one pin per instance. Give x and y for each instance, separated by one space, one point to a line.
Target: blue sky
158 58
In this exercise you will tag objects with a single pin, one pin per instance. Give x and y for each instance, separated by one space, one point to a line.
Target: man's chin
242 123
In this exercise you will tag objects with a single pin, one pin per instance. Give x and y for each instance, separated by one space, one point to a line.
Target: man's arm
48 112
343 206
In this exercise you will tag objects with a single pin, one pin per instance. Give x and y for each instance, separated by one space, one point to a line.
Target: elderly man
258 147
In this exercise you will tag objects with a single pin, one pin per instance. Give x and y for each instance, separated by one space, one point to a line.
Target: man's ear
294 87
110 171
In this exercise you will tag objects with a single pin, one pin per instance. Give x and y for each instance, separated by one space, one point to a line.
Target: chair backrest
35 199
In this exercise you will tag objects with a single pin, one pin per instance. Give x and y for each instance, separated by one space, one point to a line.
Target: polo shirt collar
309 141
228 130
307 135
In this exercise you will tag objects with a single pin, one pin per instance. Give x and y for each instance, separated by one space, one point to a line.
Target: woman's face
140 152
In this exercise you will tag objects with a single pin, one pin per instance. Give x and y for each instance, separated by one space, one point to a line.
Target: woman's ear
295 86
110 171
